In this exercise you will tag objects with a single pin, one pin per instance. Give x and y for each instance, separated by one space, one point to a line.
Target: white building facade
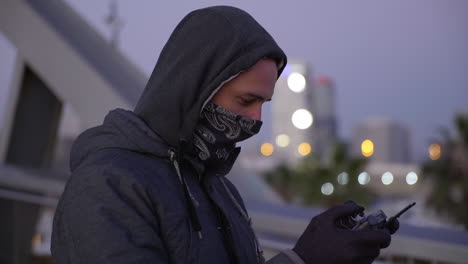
293 114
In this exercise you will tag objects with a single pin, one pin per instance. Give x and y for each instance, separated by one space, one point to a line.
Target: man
149 186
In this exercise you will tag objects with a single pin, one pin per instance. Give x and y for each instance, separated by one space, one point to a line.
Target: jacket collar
221 169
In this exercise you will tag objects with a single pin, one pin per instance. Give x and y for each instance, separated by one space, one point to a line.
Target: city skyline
398 60
410 54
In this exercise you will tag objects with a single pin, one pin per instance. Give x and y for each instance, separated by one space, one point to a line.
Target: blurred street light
327 188
282 140
302 119
267 149
434 151
411 178
363 178
387 178
367 148
343 178
304 149
296 82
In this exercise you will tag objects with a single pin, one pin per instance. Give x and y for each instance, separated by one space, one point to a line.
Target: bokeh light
363 178
267 149
435 151
343 178
387 178
327 188
296 82
282 140
304 149
367 148
302 119
411 178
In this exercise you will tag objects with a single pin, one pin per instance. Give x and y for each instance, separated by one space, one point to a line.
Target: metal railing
278 226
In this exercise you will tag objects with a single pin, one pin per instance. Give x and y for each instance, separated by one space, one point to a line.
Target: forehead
260 78
264 70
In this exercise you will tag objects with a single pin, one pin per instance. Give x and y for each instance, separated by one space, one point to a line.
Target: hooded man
149 186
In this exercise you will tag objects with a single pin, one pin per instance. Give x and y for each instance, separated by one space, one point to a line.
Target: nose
256 114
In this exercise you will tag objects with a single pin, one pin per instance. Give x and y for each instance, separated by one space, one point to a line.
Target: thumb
343 210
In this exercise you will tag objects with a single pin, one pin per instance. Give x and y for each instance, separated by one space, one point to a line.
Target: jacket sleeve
106 218
286 256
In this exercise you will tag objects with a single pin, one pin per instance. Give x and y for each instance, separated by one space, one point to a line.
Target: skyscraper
382 140
293 113
325 116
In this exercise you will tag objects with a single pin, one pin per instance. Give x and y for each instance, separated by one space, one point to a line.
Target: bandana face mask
218 130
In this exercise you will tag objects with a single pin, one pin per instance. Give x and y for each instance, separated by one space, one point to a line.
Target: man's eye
246 101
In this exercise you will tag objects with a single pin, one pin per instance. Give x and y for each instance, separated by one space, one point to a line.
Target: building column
32 121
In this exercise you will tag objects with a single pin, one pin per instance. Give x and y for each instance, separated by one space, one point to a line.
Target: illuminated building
325 116
382 140
293 113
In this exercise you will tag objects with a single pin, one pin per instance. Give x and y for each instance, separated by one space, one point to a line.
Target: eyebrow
258 97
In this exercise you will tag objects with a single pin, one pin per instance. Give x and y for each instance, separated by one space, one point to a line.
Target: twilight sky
401 60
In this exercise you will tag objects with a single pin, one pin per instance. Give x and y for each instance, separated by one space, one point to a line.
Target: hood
207 48
120 129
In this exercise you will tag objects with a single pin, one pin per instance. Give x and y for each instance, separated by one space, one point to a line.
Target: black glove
324 243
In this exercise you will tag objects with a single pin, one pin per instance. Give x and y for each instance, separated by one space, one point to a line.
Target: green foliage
449 174
303 182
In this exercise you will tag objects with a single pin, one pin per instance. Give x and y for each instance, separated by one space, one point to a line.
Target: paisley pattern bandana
218 130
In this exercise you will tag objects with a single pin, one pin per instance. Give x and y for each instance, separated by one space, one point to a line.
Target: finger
361 213
366 255
350 201
385 243
343 210
380 238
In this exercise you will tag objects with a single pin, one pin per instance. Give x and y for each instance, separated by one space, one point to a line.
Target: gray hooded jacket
137 193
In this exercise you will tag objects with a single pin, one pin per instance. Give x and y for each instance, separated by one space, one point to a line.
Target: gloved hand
324 243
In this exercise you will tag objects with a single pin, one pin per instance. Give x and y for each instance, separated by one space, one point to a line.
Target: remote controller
375 221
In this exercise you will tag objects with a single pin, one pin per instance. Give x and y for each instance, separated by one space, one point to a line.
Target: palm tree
283 181
312 181
449 174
